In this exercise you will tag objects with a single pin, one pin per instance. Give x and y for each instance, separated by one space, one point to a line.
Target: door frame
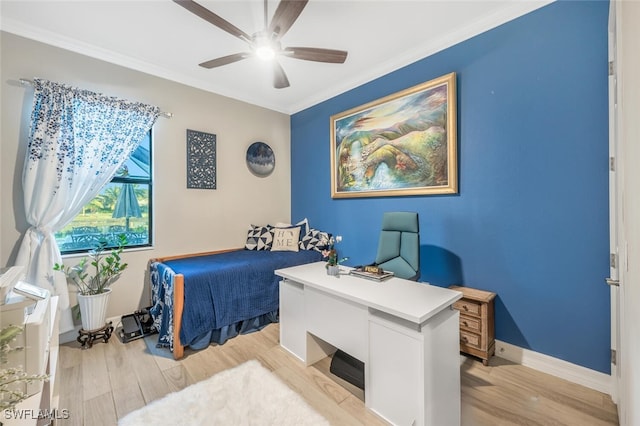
613 201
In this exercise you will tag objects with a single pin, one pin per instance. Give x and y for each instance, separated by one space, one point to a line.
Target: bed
204 298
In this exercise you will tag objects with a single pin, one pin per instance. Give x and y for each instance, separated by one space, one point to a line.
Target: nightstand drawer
467 306
471 323
470 339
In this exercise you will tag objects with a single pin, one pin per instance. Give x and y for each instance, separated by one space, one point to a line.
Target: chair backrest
399 245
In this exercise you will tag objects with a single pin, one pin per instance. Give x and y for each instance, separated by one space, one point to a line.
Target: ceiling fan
266 43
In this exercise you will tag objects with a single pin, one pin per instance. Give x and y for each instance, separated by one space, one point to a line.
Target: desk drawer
471 323
470 339
467 306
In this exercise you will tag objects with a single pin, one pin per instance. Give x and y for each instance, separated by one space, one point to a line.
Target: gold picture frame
402 144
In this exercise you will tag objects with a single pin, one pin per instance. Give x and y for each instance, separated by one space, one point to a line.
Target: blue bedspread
220 289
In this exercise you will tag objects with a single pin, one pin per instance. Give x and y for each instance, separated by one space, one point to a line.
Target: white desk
406 333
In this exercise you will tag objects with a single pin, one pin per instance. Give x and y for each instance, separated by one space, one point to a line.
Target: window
122 207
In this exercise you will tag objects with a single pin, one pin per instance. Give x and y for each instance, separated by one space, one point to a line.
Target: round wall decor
260 159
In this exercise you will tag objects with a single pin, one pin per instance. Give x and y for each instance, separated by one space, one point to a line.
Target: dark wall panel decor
201 160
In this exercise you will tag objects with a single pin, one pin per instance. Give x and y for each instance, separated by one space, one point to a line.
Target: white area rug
248 394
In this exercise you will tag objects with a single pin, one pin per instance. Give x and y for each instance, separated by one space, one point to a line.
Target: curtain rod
27 82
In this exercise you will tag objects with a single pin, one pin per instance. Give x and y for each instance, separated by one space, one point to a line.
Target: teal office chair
399 252
399 245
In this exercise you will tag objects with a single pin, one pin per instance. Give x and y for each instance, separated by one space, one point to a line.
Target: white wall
185 220
629 107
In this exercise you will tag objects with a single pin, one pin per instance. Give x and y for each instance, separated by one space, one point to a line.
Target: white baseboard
554 366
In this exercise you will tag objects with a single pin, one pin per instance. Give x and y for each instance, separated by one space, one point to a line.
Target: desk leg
393 387
292 319
442 369
414 375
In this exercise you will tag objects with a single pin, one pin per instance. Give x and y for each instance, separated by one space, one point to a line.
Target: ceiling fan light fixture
266 44
265 52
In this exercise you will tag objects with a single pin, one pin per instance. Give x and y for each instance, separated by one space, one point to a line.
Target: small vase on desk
333 270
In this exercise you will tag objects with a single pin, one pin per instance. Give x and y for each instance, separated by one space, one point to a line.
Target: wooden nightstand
477 336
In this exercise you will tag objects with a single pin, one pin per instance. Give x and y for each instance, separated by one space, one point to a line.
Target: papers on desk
375 276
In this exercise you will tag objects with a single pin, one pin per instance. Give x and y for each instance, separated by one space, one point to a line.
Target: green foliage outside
98 213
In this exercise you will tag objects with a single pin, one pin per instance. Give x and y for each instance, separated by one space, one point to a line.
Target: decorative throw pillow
259 238
304 223
314 240
286 239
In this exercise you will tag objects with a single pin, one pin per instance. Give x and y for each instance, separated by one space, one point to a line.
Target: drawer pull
465 324
467 307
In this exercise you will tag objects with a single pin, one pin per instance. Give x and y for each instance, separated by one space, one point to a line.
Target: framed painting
402 144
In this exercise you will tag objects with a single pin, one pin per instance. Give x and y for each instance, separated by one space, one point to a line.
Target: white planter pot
93 310
333 270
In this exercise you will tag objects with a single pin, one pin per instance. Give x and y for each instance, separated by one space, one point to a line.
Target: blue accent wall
530 221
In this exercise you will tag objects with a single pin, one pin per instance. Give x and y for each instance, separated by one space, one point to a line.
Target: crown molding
428 48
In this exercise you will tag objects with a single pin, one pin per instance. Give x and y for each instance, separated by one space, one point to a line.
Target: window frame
132 180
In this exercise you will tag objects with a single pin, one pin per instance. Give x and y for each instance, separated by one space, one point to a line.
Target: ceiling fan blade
316 54
214 19
280 80
285 15
224 60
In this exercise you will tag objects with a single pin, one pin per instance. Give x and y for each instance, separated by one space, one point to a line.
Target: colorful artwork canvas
403 144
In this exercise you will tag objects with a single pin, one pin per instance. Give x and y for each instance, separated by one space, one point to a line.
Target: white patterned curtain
78 140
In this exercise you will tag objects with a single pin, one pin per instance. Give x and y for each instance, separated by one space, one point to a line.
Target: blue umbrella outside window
127 203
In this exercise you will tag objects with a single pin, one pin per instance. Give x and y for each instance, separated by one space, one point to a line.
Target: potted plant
93 290
331 254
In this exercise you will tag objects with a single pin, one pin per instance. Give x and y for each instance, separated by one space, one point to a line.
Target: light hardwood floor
101 384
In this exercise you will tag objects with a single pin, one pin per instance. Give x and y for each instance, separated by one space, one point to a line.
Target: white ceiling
161 38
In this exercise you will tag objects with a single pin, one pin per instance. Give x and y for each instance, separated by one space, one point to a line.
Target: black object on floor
136 325
87 337
348 368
